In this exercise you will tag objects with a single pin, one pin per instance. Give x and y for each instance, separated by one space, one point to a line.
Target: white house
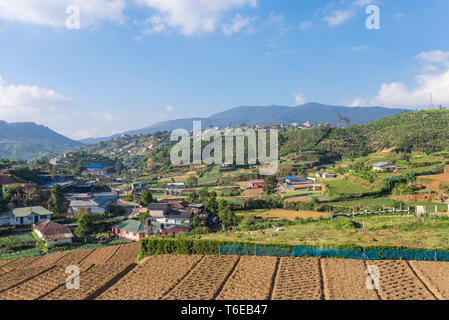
386 167
27 215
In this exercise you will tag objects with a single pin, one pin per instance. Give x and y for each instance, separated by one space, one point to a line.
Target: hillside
28 141
424 131
313 112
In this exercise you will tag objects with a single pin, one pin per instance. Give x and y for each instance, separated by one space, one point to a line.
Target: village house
53 233
130 229
254 184
325 175
139 186
28 215
95 203
164 229
294 180
97 169
386 167
174 189
175 212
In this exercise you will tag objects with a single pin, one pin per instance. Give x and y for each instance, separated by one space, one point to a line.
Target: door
21 220
36 219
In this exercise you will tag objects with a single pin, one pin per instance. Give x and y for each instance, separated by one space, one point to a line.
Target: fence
418 255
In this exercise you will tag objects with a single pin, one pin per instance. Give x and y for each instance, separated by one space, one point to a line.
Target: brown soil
251 280
152 279
435 275
218 277
298 279
101 255
292 214
346 280
204 281
398 282
127 253
37 286
91 280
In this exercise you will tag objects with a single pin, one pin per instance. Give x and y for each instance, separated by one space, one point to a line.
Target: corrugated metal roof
131 226
25 212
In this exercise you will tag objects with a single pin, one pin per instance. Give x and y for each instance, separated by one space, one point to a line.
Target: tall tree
56 201
85 225
270 184
147 198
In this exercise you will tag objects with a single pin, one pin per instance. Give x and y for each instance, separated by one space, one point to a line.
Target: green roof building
129 229
27 215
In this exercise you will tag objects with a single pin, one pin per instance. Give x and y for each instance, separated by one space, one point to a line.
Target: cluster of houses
166 217
51 232
91 202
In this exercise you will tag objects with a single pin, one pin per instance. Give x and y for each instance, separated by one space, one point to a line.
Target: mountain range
28 141
313 112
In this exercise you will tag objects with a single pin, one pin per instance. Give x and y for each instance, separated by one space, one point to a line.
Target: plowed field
111 273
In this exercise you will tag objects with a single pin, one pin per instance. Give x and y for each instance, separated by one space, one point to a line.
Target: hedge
160 246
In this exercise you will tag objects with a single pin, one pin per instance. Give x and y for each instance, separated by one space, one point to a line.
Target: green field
411 232
342 186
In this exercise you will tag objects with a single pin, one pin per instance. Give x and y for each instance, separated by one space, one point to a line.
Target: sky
130 63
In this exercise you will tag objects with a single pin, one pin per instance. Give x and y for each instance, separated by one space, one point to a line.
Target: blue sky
137 62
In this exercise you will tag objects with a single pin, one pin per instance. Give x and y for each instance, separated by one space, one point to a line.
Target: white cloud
306 25
237 24
336 17
169 109
194 16
428 84
300 99
88 133
436 56
28 103
105 117
156 25
360 48
53 12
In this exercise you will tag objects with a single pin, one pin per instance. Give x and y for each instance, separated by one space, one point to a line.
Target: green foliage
85 225
402 189
270 184
192 181
147 198
55 203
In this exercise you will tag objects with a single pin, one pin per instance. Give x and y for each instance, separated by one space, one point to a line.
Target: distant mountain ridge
313 112
28 140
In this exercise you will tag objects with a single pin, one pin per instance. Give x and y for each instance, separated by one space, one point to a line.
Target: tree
228 218
192 181
56 201
147 198
270 184
85 225
143 217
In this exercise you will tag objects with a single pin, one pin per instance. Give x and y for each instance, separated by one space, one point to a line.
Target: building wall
127 235
58 241
16 221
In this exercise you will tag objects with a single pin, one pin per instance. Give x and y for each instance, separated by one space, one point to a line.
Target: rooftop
133 226
25 212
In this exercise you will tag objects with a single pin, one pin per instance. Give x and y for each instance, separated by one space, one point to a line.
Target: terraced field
112 273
